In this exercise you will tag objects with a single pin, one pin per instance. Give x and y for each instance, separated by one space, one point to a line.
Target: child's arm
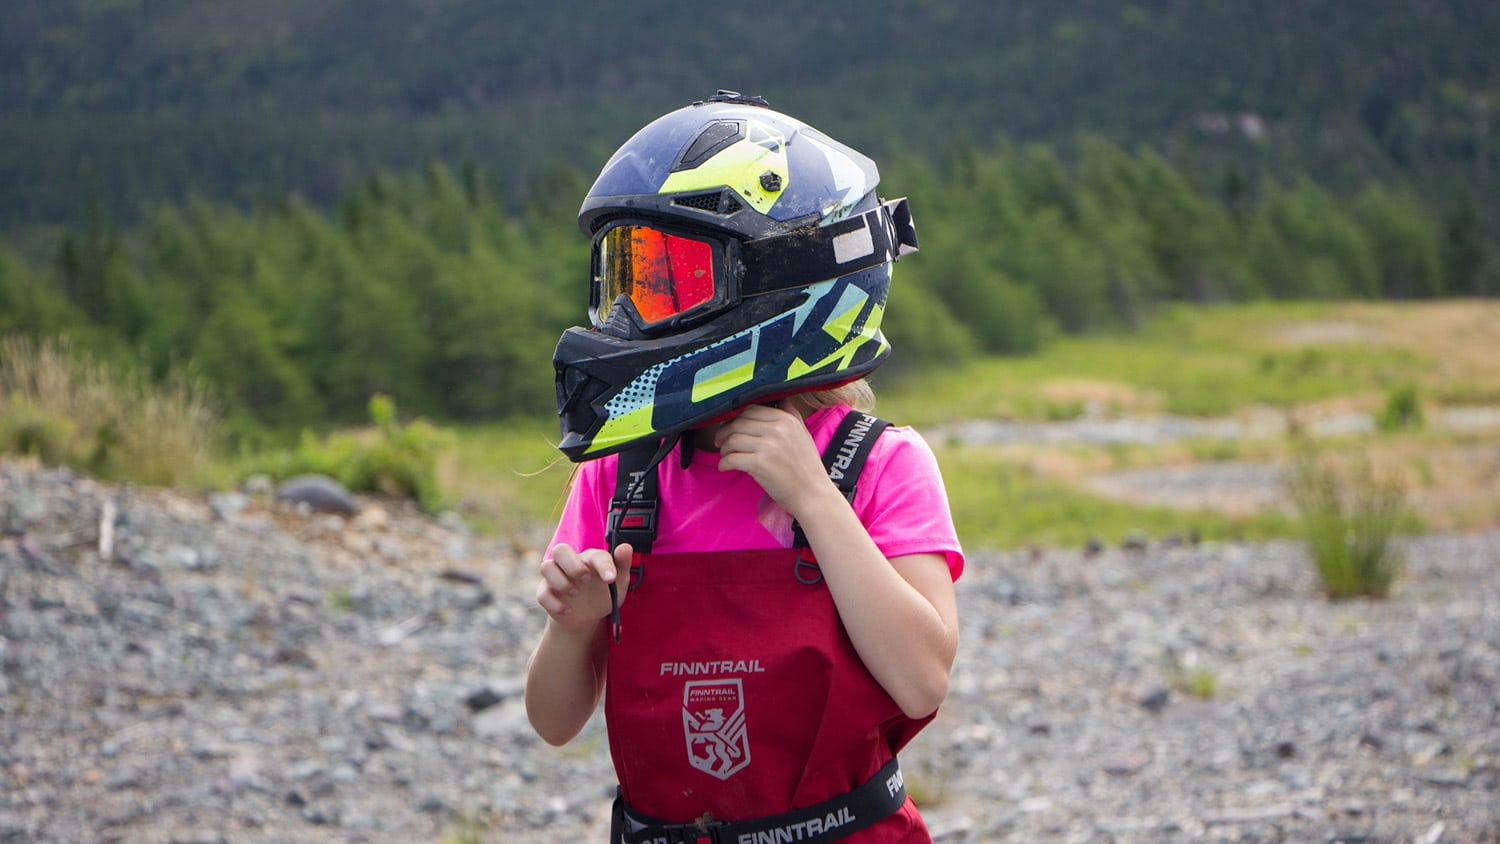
565 676
901 614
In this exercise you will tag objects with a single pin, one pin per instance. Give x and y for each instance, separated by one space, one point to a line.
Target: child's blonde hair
856 394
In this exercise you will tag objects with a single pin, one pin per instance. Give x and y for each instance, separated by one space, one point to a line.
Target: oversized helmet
739 255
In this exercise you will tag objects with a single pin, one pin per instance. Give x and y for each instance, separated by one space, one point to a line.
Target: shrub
1349 525
390 459
1402 411
65 407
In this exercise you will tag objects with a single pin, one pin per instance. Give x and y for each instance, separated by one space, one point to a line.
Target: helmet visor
663 274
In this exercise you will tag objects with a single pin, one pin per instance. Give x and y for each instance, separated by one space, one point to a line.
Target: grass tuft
1402 411
65 407
1350 525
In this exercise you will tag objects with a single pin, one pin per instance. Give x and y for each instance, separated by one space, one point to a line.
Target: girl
759 573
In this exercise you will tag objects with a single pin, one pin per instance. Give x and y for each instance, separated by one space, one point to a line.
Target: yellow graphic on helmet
724 376
631 411
743 167
842 328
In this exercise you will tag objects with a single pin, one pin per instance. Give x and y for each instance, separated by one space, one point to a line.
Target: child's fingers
608 565
734 442
550 601
556 579
623 557
735 461
580 568
573 584
746 422
567 573
573 565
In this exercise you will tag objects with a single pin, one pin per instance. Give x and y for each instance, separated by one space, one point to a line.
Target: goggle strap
801 258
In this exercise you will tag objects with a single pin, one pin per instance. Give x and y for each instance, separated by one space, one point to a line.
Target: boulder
318 492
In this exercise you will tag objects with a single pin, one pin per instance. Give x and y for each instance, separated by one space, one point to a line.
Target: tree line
434 289
224 98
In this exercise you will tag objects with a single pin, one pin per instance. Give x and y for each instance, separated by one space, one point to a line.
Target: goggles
671 276
663 274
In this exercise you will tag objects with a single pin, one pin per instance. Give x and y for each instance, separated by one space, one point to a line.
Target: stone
1059 724
318 493
1156 699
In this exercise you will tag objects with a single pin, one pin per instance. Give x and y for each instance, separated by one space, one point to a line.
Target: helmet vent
719 202
714 138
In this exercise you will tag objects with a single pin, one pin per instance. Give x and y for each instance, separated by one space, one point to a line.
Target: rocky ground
183 668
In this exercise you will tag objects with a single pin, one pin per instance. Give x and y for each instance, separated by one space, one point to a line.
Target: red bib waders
736 693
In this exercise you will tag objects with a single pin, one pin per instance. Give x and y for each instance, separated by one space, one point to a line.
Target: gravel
180 667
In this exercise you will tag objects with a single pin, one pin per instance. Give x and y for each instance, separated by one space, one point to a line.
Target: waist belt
879 798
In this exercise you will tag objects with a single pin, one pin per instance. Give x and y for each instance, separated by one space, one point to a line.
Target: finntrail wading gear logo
713 719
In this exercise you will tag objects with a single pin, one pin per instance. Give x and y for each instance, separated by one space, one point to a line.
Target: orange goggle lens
663 274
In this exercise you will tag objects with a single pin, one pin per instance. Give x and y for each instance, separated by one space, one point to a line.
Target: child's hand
774 446
575 585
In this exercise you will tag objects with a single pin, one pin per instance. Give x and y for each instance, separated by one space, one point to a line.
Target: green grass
508 477
999 502
1201 682
1195 361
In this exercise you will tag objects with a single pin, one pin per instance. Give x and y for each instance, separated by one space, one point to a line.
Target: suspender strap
832 820
633 510
634 507
845 457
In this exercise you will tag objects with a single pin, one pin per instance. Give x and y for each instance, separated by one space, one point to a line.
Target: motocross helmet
739 255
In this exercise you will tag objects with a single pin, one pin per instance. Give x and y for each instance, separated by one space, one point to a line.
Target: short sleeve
586 513
902 502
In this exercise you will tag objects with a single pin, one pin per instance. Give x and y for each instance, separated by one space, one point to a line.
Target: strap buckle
707 830
633 522
704 830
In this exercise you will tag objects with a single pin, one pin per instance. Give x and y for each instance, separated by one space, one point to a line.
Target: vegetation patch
1402 411
1350 521
389 458
508 476
1000 503
66 407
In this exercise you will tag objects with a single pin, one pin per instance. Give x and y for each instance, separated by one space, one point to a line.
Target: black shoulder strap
633 509
845 457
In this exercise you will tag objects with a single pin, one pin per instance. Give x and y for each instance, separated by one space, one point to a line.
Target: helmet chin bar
581 420
613 392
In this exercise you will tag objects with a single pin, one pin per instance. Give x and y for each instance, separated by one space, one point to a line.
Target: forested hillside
426 288
311 202
235 100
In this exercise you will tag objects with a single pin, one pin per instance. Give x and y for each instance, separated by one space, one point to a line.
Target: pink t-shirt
900 500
